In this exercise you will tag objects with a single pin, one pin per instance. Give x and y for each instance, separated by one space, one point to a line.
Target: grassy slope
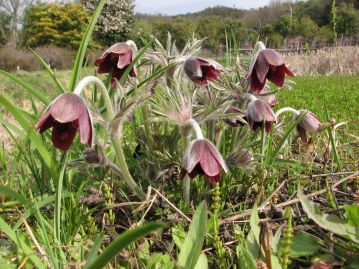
341 93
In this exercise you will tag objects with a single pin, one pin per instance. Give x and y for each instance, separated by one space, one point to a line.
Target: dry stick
172 205
271 196
294 201
148 209
39 248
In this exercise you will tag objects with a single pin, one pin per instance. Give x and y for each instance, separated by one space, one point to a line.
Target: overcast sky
174 7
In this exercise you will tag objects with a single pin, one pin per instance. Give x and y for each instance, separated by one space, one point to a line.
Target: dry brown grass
339 60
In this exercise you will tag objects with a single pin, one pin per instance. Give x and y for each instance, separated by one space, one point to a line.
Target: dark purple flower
66 115
258 112
265 95
202 70
115 60
267 64
235 122
203 158
310 123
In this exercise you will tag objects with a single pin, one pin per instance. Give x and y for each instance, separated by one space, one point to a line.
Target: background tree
5 21
115 22
347 20
55 24
15 8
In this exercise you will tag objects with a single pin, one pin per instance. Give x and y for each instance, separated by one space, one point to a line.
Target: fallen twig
284 204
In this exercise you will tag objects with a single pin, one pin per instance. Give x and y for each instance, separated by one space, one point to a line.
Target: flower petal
85 125
272 57
68 107
277 75
63 134
261 68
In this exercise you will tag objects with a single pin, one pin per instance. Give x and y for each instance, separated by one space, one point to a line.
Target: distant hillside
308 23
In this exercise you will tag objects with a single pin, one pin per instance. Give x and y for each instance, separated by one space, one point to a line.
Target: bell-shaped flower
310 123
201 70
267 64
67 114
237 121
115 60
260 112
203 158
266 96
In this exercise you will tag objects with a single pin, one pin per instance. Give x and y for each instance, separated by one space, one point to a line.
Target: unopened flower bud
94 155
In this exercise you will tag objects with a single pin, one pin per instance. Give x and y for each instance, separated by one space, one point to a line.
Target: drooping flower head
267 64
115 60
258 112
203 158
66 115
310 123
201 70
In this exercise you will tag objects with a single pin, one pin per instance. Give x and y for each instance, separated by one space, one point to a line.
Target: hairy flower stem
116 140
287 109
195 126
186 185
95 80
218 245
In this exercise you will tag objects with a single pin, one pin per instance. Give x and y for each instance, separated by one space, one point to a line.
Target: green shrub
59 25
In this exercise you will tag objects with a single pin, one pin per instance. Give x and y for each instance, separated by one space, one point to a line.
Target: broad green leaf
202 262
329 222
160 261
252 239
4 227
192 246
245 258
50 71
178 235
76 70
33 135
304 244
121 242
39 95
352 214
276 239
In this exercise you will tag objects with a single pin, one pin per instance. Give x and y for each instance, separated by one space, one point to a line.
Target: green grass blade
39 95
33 136
331 137
28 251
95 248
49 70
83 46
57 222
14 195
132 64
121 242
284 138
